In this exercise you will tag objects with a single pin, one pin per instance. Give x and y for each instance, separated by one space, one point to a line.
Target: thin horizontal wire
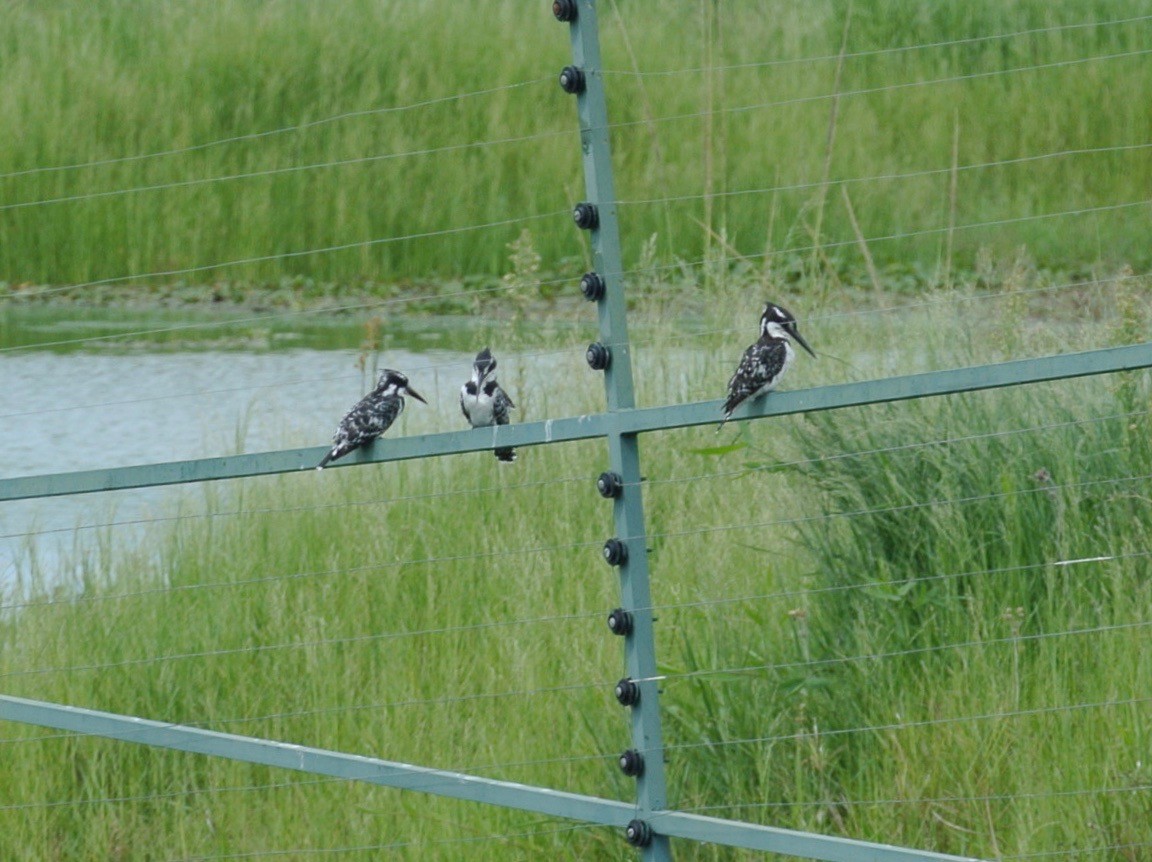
868 91
920 800
430 102
1079 851
261 648
277 510
892 87
290 169
880 656
366 243
649 482
857 55
378 636
523 357
952 299
672 267
885 450
956 799
297 127
909 175
924 232
911 725
231 721
878 584
151 797
552 619
1047 488
300 852
380 303
904 507
570 688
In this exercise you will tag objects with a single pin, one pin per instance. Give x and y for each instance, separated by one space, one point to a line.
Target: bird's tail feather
333 453
506 454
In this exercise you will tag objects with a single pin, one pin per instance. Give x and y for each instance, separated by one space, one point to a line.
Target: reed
449 120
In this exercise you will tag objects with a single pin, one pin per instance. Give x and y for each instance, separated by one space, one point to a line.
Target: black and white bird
766 361
483 402
372 416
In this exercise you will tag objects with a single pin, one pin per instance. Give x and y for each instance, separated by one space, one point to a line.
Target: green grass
89 82
369 610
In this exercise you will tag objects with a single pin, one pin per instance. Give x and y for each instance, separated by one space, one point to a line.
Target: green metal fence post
628 550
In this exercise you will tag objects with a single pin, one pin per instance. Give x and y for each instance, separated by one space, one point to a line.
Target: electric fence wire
899 726
811 185
671 267
453 148
871 91
357 244
790 594
901 448
432 782
281 171
662 608
295 127
952 299
726 674
447 99
878 52
956 799
652 482
304 852
441 232
1123 851
569 348
439 560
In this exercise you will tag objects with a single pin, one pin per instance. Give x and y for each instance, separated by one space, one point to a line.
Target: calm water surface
61 412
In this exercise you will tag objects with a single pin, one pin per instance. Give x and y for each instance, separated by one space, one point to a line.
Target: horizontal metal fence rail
595 425
453 785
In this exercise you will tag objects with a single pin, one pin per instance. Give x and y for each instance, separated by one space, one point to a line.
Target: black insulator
638 833
572 79
627 692
609 485
599 357
615 552
620 622
564 10
586 216
592 286
632 763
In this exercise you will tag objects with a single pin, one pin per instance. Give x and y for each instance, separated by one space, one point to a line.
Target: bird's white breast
479 408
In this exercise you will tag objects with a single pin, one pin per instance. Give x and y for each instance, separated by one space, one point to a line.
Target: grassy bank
350 126
867 623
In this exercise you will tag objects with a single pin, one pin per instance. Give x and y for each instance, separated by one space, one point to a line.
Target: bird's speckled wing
760 368
501 404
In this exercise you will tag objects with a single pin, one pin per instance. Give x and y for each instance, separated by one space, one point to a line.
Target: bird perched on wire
484 403
372 416
766 361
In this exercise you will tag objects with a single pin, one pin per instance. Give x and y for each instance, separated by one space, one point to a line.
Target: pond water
88 405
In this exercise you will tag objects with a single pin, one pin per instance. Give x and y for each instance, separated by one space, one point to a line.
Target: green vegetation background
743 150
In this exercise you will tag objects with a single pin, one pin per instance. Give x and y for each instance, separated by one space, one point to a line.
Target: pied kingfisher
372 416
483 401
765 362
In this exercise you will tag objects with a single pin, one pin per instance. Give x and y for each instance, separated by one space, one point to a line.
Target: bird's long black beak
414 394
804 343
